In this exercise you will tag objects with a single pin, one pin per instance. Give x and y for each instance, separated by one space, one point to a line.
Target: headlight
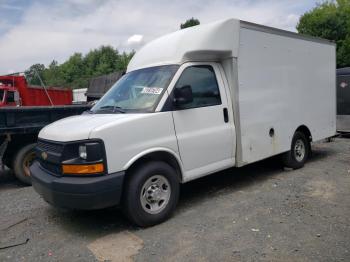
84 157
91 151
82 152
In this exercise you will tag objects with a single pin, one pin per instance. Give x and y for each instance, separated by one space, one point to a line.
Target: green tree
108 59
330 20
53 75
123 60
91 62
33 73
190 22
101 61
76 71
73 71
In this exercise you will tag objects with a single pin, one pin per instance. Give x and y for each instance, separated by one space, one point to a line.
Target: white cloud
135 39
55 30
134 42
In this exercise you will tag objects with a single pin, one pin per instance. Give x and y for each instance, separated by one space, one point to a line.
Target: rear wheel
22 161
151 194
299 152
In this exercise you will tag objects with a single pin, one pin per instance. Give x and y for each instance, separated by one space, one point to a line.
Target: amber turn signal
83 169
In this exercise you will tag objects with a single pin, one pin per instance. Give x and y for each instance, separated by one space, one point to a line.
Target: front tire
151 194
21 162
299 152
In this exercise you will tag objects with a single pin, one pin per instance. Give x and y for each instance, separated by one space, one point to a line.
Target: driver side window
205 89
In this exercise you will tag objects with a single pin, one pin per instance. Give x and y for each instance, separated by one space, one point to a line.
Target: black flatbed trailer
19 128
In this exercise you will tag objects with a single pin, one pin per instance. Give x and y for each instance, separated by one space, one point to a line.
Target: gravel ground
256 213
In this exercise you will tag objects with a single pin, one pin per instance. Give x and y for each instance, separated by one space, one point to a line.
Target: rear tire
298 154
151 193
21 162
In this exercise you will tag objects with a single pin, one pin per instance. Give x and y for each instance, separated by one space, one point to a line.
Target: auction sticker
152 90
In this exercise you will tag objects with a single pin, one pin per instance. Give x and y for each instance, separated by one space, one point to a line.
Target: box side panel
283 82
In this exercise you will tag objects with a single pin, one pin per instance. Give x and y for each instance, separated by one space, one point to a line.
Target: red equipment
14 91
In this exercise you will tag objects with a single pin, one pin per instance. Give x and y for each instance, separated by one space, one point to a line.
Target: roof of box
208 42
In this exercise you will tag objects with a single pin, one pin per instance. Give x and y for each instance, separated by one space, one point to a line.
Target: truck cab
17 92
191 103
159 118
9 95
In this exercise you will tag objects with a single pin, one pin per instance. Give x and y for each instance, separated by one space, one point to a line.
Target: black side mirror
183 95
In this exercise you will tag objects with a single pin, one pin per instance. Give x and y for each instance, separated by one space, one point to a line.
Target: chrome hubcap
299 150
155 194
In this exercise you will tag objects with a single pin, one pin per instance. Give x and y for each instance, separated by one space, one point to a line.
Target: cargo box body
284 81
36 96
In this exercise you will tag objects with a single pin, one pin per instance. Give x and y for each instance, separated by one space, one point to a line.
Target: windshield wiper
119 109
112 108
89 111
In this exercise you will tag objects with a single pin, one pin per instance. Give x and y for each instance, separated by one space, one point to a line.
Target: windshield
137 91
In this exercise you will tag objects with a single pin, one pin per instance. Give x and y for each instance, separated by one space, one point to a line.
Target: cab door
10 98
204 131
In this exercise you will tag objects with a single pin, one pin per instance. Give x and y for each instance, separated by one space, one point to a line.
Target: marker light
83 169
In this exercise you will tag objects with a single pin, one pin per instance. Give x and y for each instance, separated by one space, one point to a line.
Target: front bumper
78 192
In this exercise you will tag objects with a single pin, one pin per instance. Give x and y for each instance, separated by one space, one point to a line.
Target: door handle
225 115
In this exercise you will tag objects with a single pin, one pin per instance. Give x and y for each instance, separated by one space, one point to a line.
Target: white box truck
192 103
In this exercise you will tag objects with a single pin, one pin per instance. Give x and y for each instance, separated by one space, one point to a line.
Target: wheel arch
306 131
17 142
157 154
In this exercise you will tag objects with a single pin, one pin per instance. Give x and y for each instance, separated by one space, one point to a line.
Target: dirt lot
256 213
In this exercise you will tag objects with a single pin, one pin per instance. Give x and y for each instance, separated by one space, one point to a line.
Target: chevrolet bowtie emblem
44 155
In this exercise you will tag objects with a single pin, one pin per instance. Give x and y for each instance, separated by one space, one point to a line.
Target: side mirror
183 95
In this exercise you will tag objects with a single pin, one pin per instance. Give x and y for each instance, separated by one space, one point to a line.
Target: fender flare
149 151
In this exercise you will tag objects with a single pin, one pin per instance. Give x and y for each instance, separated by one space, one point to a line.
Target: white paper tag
152 90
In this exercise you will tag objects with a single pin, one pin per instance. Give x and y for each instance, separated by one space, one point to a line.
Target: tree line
79 68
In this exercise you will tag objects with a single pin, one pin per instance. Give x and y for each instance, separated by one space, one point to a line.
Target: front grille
53 151
53 169
49 146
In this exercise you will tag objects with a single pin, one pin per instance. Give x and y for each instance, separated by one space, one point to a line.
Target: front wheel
22 161
151 193
299 152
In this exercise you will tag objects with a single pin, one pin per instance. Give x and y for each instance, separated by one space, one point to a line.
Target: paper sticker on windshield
152 90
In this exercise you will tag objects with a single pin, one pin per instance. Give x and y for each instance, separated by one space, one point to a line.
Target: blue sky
38 31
